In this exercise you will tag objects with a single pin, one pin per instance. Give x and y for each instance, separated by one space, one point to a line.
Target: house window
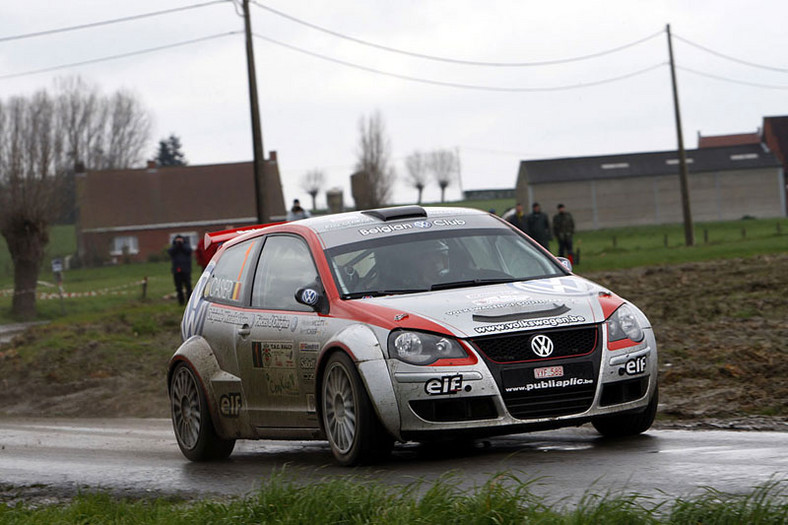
127 245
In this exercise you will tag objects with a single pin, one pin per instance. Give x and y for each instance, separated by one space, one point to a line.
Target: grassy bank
503 499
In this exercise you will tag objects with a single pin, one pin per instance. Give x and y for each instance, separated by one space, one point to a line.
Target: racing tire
354 432
191 418
628 424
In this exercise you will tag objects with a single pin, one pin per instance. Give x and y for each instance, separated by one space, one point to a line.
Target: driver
433 263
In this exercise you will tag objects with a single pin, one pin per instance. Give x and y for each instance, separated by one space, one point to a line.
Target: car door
278 359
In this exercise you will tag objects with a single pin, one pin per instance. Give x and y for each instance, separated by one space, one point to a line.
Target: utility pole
257 133
689 230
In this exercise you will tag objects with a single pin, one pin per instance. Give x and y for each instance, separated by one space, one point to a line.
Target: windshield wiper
472 282
378 293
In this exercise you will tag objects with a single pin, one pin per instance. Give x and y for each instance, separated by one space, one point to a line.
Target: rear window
229 281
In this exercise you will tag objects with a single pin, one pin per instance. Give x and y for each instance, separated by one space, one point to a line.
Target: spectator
564 229
537 225
518 218
297 212
181 256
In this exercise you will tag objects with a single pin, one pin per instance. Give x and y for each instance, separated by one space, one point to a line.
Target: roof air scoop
397 213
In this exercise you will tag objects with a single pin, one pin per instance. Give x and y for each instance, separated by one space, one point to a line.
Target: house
725 183
133 214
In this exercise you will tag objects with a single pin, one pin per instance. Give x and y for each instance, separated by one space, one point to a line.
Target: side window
230 279
285 266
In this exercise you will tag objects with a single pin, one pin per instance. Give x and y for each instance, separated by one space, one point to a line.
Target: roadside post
57 272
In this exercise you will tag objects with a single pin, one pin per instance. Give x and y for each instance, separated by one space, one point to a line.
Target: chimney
152 165
272 156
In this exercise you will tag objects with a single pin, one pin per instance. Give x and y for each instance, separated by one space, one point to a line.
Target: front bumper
491 397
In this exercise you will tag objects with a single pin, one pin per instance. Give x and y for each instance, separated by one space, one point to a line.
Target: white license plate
548 371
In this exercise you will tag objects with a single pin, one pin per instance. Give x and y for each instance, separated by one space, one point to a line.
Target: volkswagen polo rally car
402 324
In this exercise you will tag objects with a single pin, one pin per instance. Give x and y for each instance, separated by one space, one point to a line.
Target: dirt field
721 328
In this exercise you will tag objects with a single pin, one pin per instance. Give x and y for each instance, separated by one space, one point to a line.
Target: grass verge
502 499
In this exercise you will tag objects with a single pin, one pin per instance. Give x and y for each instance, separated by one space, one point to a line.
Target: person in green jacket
564 229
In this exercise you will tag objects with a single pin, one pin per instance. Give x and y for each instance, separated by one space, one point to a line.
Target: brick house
133 214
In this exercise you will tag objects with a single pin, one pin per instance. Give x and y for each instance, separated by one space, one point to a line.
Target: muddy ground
721 328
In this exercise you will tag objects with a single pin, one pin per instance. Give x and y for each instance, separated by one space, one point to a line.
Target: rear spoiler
211 242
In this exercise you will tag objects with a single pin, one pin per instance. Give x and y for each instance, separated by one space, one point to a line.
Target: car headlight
624 325
418 348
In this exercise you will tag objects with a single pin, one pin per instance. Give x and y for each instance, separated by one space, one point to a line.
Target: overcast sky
310 106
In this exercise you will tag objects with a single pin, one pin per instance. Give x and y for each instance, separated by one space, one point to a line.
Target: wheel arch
197 355
362 346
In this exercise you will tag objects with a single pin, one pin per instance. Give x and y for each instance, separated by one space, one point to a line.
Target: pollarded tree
41 139
416 163
373 157
445 167
312 182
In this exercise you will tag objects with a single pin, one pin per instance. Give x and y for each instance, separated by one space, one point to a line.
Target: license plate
548 371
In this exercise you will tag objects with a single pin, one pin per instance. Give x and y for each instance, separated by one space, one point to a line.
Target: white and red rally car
402 324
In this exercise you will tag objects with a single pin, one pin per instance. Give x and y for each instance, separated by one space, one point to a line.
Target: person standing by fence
564 229
181 255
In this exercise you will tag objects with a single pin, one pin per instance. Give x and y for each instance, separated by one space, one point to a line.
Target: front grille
517 347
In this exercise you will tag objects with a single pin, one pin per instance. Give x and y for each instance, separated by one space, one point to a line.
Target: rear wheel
191 418
352 427
628 424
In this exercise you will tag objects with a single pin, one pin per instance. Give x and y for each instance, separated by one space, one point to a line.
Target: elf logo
634 366
230 404
444 385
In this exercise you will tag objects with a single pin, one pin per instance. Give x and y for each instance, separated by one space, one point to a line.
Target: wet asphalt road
140 455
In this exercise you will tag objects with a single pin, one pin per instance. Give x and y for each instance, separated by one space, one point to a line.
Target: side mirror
566 262
313 296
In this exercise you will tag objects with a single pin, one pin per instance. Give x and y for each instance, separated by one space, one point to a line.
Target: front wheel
628 424
191 419
351 425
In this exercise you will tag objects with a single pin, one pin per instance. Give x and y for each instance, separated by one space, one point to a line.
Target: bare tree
312 182
41 138
416 163
374 153
445 166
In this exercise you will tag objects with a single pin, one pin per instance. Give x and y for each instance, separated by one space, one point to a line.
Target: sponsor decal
550 383
388 228
634 366
541 345
530 323
277 322
559 286
281 382
444 385
499 303
307 362
226 289
226 316
309 296
308 377
230 404
309 347
196 309
449 222
313 326
548 372
400 317
277 354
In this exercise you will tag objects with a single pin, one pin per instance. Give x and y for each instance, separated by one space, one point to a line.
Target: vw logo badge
309 296
422 224
542 345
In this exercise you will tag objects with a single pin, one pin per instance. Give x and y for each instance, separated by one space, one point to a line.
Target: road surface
141 456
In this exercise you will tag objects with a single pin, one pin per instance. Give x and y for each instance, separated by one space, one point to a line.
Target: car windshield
437 260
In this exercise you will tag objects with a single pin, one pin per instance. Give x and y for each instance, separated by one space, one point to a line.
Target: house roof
646 164
178 195
776 129
737 139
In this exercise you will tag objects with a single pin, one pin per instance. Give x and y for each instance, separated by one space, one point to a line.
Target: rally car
402 324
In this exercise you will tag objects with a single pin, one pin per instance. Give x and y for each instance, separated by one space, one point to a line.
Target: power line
732 80
454 60
458 85
123 55
108 22
728 57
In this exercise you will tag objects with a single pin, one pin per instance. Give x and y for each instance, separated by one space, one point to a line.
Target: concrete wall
726 195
